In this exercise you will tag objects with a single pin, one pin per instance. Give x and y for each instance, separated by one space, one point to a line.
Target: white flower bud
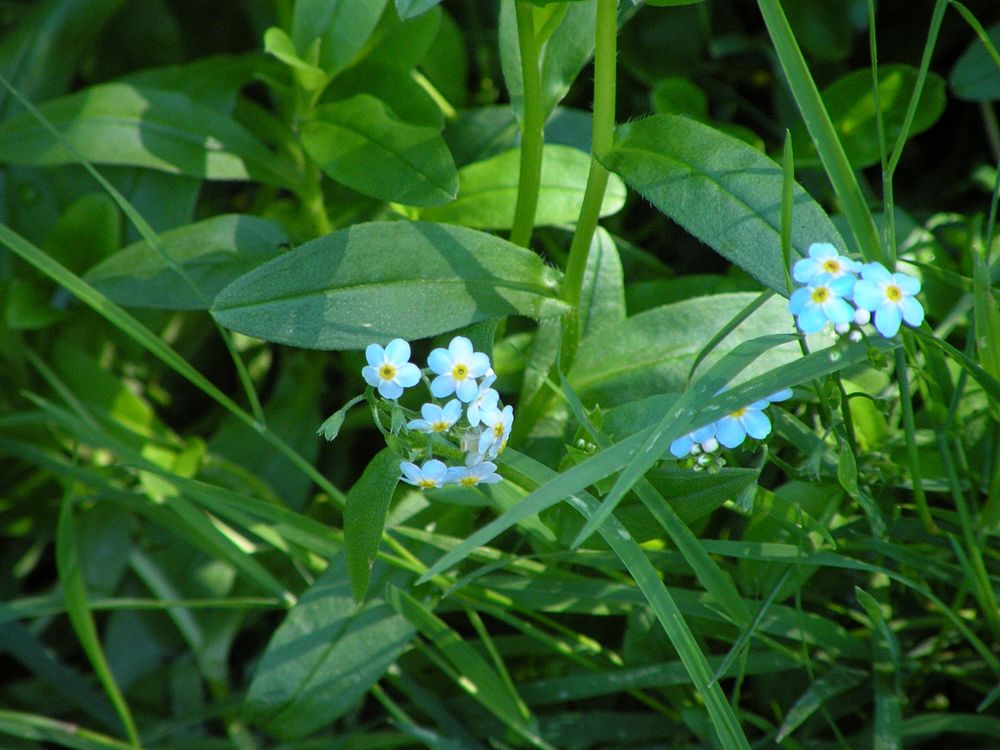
842 328
710 446
862 316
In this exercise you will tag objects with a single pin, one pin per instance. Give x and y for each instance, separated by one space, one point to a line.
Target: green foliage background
208 210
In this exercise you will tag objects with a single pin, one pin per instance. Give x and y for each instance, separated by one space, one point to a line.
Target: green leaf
411 8
477 677
652 352
325 656
986 315
679 96
720 189
487 191
362 144
87 232
976 75
41 53
835 682
406 99
851 105
342 27
212 253
377 281
817 119
364 517
117 123
602 297
279 44
403 43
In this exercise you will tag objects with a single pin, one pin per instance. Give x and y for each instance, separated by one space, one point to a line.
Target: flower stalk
532 128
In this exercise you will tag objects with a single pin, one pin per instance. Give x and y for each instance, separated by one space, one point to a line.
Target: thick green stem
313 202
603 137
532 128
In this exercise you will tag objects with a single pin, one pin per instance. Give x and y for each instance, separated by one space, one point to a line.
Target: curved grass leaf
118 123
362 144
212 252
487 191
364 517
325 656
723 191
376 281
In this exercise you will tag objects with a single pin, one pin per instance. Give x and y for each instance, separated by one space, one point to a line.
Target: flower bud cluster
473 421
843 292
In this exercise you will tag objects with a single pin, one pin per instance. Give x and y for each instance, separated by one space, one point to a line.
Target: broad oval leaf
376 281
119 123
652 352
487 192
212 253
851 106
362 144
721 190
976 76
325 656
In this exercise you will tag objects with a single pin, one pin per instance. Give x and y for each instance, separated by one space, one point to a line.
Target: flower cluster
834 293
729 432
463 380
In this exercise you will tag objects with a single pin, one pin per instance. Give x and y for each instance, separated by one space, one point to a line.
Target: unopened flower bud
862 316
710 446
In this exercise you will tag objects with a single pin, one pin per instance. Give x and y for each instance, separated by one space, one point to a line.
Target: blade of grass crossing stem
820 127
729 327
62 733
135 330
721 714
910 430
751 628
787 206
78 610
980 31
925 61
888 730
476 676
717 583
606 462
676 421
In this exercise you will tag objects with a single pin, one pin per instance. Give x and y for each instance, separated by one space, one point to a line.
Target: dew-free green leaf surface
377 281
364 517
720 189
976 75
118 123
851 106
325 656
487 192
362 144
212 253
342 28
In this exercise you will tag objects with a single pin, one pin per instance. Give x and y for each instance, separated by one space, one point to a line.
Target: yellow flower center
739 412
893 293
386 371
498 430
470 481
831 265
427 484
820 295
440 426
460 371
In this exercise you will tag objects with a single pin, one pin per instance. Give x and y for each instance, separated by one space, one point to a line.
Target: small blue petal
887 319
730 432
907 284
805 269
397 351
838 311
681 446
757 424
443 385
875 272
440 361
913 311
783 395
868 295
408 375
822 250
812 319
390 390
703 433
798 300
842 286
467 390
